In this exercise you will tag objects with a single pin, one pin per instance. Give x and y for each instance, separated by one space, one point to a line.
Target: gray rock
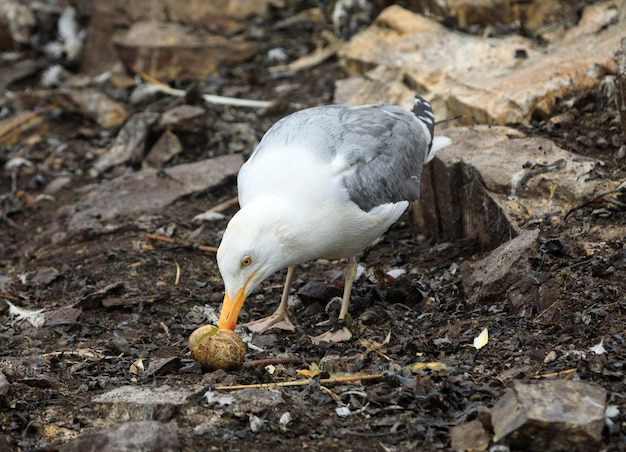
492 178
135 403
482 78
492 276
140 436
550 415
149 191
318 291
469 436
4 386
130 142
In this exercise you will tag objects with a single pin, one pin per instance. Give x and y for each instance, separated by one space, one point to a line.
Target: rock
534 292
128 196
92 298
318 291
141 403
468 12
99 55
15 128
168 51
163 366
166 147
66 314
184 118
128 436
256 401
492 276
44 276
470 436
550 415
20 70
340 364
22 368
4 386
491 178
17 22
94 105
530 14
482 78
130 142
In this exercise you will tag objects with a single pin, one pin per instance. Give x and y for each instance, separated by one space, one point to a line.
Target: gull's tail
424 112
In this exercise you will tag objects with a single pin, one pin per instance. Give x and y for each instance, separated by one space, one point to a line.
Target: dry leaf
481 340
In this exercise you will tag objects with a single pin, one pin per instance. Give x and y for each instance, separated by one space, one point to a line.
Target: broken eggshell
217 349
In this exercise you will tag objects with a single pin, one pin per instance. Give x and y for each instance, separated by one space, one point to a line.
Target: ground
133 309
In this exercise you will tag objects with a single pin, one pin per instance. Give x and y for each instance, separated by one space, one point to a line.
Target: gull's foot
341 335
276 320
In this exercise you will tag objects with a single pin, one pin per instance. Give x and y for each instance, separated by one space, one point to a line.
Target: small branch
207 248
620 85
308 61
323 381
209 98
160 238
221 207
177 280
563 373
600 197
269 361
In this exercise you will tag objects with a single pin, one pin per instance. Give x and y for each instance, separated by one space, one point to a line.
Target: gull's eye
246 261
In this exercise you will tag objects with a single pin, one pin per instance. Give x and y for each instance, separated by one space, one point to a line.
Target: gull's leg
349 273
343 334
280 318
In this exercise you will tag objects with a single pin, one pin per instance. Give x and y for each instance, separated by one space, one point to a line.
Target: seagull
323 183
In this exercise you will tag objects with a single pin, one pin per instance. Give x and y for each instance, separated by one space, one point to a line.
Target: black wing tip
424 112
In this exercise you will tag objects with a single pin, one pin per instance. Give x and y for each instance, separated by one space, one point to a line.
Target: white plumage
323 183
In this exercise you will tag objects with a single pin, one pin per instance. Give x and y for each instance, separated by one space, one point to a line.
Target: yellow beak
231 310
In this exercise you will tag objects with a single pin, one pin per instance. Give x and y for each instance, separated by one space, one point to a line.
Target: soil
141 299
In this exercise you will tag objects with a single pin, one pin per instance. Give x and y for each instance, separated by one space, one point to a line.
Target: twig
323 381
160 238
177 279
546 310
444 120
310 60
563 373
620 82
619 189
207 248
221 207
268 361
209 98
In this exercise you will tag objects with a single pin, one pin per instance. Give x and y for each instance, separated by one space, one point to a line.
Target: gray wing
381 149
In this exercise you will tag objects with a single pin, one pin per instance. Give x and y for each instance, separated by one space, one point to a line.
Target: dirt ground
132 308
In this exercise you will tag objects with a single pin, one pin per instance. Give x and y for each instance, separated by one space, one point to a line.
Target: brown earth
57 370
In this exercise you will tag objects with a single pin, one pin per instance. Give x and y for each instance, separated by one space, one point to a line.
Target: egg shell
217 349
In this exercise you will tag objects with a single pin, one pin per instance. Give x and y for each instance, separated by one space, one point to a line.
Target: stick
232 202
563 373
177 280
268 361
620 84
600 197
283 384
209 98
308 61
160 238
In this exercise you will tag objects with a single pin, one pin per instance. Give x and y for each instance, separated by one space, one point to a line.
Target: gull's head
251 250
